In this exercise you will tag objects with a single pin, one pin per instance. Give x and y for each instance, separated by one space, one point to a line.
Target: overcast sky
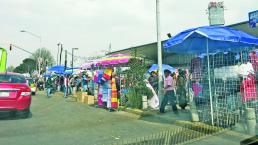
91 25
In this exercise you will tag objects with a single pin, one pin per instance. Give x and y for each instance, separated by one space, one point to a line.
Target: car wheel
25 113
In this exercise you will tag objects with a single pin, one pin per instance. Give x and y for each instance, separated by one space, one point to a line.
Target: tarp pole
159 51
209 78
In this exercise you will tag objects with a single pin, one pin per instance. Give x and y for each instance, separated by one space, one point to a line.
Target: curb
141 113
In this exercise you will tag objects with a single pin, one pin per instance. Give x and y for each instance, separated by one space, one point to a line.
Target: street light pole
57 60
40 46
72 57
160 93
35 35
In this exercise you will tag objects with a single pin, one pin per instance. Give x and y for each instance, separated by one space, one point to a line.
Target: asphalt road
55 121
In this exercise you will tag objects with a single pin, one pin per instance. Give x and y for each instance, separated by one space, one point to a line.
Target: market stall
104 84
222 73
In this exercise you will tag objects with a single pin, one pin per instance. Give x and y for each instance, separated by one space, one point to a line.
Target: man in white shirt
169 93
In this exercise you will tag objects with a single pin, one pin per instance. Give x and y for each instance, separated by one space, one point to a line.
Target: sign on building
253 19
216 13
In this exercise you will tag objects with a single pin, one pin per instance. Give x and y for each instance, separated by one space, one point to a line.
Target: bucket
144 102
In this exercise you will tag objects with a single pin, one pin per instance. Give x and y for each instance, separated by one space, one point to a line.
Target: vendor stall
222 72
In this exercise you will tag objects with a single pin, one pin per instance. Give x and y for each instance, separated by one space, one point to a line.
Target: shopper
181 89
153 80
85 83
169 93
66 85
71 85
48 86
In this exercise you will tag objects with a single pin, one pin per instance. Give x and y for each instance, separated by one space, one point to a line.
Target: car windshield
10 78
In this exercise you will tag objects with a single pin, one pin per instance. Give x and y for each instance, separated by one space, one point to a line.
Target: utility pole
160 93
72 57
65 59
109 48
57 59
61 51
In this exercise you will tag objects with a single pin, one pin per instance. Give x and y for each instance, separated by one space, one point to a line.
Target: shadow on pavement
168 118
11 116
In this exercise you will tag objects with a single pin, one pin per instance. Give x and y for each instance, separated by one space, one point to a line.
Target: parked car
32 86
15 94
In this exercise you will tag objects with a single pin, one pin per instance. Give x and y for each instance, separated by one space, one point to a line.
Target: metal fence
223 86
171 137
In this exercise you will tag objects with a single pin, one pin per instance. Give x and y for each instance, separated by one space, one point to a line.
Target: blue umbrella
71 71
154 67
59 69
209 39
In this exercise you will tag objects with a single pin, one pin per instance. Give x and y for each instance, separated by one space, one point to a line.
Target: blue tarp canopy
213 38
154 67
59 69
72 71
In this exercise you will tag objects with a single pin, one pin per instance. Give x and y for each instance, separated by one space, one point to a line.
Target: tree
10 68
45 56
137 85
28 65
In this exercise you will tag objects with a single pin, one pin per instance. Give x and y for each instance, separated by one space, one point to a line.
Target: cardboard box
89 100
84 97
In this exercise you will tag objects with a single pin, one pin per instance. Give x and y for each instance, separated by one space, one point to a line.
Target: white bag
154 101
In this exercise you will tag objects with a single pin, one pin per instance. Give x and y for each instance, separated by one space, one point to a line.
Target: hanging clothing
254 60
196 68
109 97
105 88
114 100
100 95
95 77
248 89
197 89
107 74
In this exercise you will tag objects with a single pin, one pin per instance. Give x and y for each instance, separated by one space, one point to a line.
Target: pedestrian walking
85 83
71 85
48 86
169 93
181 89
66 85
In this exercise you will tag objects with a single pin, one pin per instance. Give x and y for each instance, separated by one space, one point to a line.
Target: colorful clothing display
196 68
197 89
248 89
254 60
107 89
114 100
100 95
107 74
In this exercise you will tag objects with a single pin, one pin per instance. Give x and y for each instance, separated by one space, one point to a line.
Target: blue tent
154 67
59 69
211 39
71 71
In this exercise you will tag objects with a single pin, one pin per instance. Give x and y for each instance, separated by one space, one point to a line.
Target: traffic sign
253 19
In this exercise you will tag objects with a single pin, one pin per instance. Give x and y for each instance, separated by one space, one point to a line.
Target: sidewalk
225 138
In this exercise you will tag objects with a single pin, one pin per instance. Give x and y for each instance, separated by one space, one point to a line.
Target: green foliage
137 86
28 65
45 55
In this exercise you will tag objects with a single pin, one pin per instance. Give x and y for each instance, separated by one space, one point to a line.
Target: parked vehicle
15 94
